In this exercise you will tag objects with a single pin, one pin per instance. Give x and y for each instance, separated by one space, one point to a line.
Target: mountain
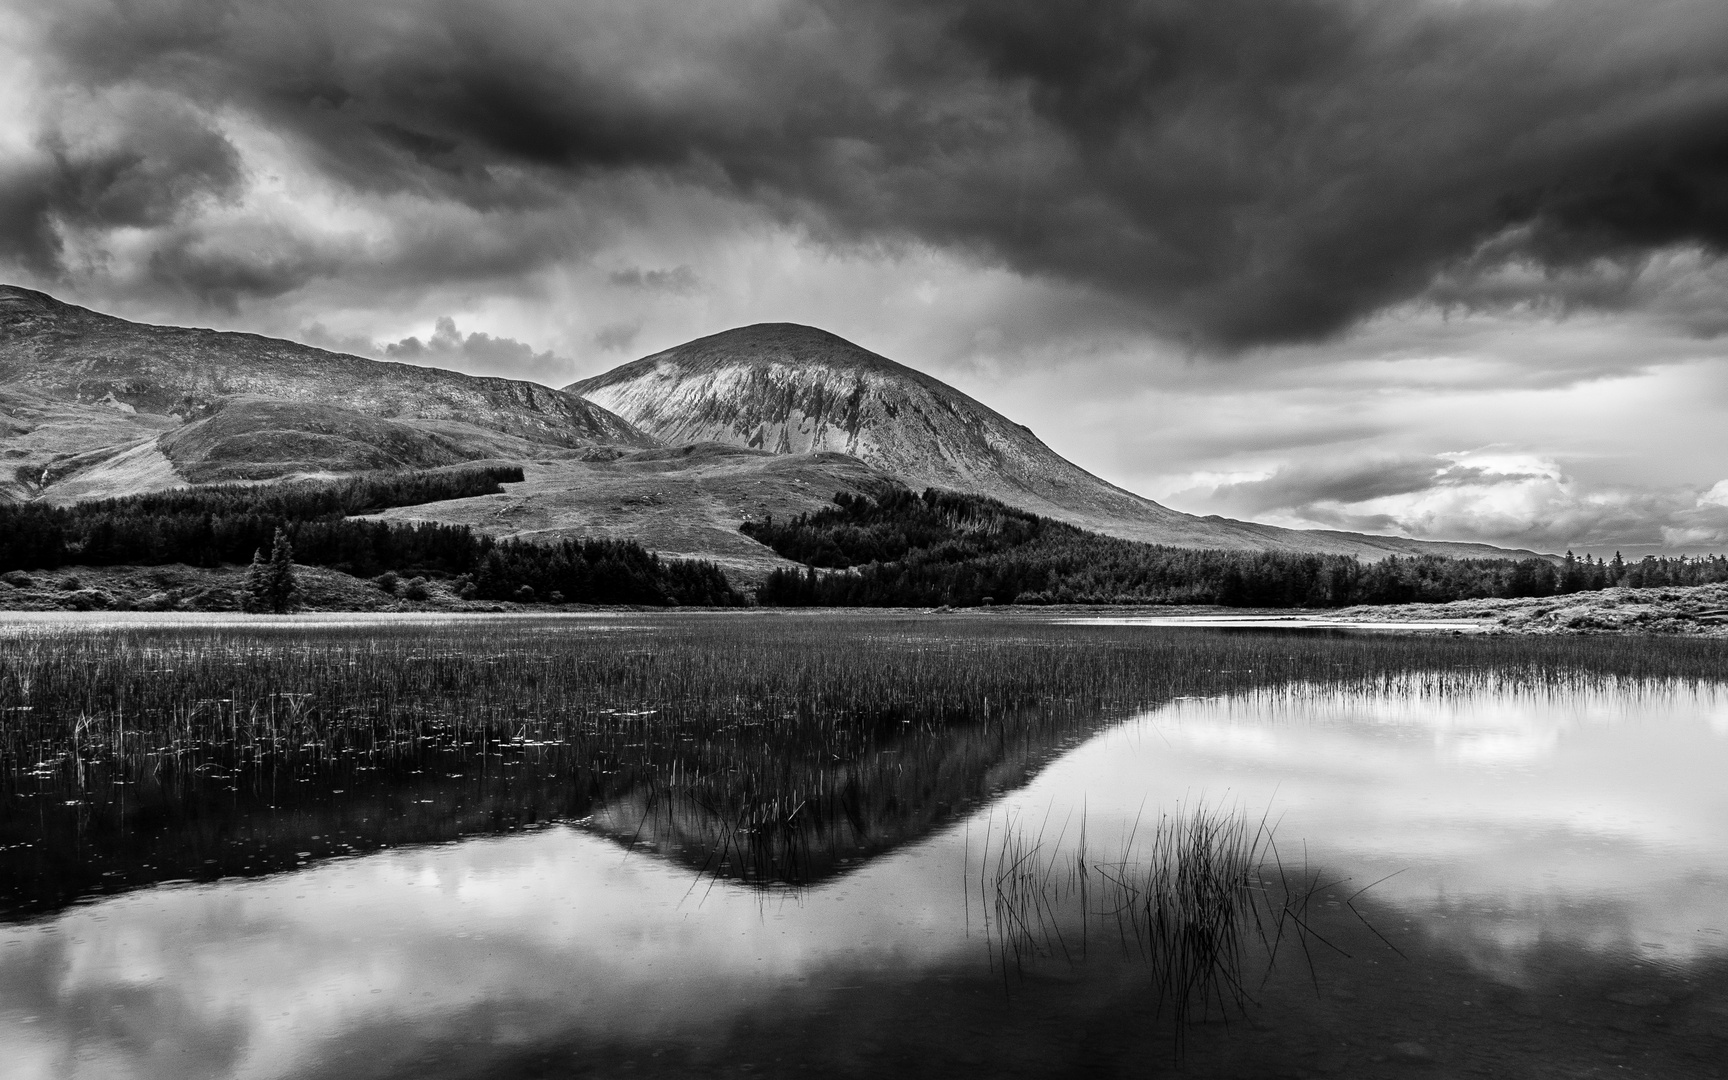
91 404
787 388
676 449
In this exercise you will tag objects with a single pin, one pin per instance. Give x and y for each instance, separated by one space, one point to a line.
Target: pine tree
271 586
257 588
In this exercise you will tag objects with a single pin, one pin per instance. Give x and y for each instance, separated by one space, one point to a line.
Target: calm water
1546 894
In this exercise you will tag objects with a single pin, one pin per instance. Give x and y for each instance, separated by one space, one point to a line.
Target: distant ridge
788 388
79 390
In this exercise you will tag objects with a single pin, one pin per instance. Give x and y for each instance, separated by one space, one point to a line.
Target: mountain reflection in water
120 827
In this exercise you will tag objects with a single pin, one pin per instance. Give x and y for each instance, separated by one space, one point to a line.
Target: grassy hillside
683 501
264 438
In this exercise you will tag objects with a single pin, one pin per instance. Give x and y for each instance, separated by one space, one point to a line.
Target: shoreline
179 595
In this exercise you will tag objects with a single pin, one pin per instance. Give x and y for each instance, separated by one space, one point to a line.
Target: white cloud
1491 494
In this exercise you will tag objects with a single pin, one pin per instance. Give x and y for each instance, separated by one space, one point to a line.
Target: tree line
597 572
908 549
226 523
232 524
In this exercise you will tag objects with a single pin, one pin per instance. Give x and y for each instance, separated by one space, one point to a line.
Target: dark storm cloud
1243 171
135 162
1290 166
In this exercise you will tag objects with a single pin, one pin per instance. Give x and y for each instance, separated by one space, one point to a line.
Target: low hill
900 549
785 388
78 388
685 501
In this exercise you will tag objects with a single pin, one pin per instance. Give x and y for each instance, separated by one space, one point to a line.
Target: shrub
387 581
416 590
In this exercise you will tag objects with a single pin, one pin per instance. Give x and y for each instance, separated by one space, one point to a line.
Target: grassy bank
1698 611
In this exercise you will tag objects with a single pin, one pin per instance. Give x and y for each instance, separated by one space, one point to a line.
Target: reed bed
803 678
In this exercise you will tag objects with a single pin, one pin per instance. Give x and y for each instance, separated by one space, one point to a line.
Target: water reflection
501 941
1537 841
1593 816
108 826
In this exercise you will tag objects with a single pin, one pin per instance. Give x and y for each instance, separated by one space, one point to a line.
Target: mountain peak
790 388
784 334
771 343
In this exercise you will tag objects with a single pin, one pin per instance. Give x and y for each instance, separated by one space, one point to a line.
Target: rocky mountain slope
102 405
787 388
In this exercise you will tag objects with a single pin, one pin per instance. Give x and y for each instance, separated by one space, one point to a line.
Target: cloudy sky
1449 268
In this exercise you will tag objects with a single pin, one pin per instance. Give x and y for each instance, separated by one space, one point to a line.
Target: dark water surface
1545 865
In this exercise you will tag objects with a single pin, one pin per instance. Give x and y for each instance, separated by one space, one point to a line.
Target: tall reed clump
1201 897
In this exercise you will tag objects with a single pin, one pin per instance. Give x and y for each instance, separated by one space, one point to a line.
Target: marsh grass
770 748
795 680
1201 895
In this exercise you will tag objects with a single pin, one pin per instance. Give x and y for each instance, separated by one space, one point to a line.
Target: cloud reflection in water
1594 817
